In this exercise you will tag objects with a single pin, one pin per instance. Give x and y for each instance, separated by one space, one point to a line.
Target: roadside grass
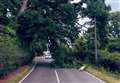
15 78
104 75
17 75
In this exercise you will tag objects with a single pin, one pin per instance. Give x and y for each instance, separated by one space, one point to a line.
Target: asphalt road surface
44 74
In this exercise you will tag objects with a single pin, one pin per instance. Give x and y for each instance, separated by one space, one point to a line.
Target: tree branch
23 6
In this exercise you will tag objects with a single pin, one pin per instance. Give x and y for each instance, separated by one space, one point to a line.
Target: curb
28 73
94 76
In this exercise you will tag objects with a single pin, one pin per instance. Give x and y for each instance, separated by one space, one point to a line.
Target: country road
44 74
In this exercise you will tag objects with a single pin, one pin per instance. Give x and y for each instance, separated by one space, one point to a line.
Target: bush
114 45
59 56
107 59
11 55
110 61
65 57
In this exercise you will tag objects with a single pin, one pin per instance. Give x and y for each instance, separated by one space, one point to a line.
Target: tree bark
95 43
23 7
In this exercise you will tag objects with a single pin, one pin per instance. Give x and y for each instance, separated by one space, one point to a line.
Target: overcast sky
115 4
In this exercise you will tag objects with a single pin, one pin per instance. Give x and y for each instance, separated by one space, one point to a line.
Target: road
44 74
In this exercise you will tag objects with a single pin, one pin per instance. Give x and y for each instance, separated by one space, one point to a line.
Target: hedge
110 61
106 59
11 55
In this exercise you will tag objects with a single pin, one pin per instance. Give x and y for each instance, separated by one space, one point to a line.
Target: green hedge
11 55
10 60
106 59
114 45
110 61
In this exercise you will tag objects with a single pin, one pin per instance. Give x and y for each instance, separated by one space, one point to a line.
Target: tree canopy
55 23
48 21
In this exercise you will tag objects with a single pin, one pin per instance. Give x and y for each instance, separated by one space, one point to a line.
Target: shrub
110 61
59 56
114 45
11 55
65 57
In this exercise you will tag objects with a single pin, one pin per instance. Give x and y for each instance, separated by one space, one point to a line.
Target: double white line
57 77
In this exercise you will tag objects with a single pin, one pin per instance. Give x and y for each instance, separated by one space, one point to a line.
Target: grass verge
17 75
104 75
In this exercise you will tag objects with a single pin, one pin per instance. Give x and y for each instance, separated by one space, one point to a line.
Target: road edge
28 73
94 76
57 77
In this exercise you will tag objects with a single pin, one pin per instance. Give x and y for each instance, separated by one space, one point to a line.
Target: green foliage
106 59
79 48
110 61
114 26
38 47
59 56
65 57
80 44
11 55
98 12
51 22
47 21
109 58
114 45
3 13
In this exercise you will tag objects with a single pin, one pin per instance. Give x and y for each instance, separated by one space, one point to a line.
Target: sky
115 4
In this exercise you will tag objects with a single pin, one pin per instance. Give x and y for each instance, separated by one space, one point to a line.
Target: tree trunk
95 44
23 7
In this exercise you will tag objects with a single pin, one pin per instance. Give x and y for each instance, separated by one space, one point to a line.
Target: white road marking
28 73
94 77
57 77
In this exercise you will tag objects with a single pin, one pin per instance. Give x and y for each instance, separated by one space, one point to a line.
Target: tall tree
97 9
98 12
47 21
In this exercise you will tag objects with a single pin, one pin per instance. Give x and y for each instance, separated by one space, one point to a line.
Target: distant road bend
44 74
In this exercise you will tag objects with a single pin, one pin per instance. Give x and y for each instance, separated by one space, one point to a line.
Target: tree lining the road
47 22
34 24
